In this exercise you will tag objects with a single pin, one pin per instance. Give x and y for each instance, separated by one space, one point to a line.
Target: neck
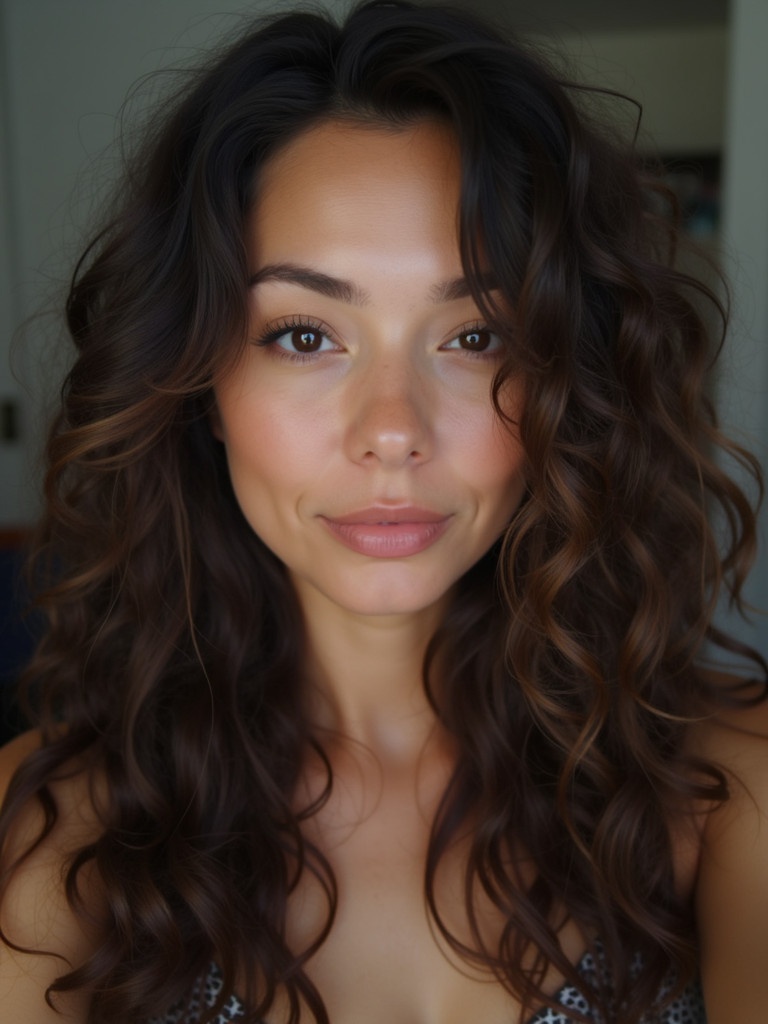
366 676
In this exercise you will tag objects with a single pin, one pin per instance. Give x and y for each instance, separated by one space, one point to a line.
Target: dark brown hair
174 647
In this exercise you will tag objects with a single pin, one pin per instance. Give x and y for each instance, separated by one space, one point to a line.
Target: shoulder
13 753
732 886
35 913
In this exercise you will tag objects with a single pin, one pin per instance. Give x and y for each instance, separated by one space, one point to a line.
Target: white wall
11 455
678 74
743 398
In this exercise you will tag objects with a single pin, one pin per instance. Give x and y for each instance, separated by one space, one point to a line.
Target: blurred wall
678 74
743 397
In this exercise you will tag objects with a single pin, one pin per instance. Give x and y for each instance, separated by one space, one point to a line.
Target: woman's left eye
478 339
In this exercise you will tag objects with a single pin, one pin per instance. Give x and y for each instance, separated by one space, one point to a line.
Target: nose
390 423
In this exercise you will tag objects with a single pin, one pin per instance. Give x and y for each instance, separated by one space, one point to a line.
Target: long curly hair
174 647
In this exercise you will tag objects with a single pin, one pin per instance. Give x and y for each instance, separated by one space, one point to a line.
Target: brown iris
475 341
304 340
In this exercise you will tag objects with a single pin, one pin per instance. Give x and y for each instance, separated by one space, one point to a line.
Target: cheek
272 443
488 452
503 470
506 478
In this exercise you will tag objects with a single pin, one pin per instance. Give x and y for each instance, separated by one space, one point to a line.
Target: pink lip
385 532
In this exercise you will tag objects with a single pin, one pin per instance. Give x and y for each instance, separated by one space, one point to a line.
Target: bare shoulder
732 888
43 937
13 753
739 731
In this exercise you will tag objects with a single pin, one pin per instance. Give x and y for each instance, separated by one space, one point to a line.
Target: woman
379 573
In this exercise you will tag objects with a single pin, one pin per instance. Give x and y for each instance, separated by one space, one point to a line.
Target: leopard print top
687 1008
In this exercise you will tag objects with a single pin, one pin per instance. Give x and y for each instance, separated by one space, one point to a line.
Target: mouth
386 515
381 532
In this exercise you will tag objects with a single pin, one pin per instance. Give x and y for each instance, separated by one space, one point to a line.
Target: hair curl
174 647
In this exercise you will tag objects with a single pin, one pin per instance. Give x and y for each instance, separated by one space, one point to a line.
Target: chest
385 959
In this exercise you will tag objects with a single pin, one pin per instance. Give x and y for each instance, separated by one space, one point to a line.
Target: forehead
358 186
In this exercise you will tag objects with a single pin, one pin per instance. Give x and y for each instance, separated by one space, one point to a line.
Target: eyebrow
305 277
350 293
448 291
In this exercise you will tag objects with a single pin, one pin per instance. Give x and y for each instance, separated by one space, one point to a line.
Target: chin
390 598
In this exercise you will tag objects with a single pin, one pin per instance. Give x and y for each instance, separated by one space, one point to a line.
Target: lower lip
388 540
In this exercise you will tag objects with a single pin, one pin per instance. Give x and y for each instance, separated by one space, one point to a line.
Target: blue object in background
17 635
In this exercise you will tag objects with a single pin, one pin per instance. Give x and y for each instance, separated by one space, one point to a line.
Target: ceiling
597 15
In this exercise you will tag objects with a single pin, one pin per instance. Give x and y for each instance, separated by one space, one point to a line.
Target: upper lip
382 514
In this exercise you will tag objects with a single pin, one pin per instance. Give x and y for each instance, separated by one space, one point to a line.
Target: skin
391 410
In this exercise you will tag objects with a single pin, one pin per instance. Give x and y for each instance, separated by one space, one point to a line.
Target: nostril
389 419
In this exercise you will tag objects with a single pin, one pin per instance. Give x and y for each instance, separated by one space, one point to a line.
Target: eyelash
281 327
285 326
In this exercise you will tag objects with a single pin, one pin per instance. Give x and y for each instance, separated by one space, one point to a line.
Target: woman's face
360 435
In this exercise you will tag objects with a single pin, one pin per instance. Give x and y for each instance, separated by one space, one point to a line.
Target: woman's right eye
300 339
304 340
